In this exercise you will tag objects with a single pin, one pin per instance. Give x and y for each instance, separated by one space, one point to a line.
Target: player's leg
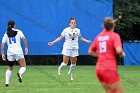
9 69
119 88
105 86
64 63
115 83
115 87
8 75
72 66
66 54
73 59
22 64
109 80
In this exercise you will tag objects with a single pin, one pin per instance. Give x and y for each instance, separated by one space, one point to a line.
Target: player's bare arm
85 40
93 53
120 52
26 44
2 52
56 40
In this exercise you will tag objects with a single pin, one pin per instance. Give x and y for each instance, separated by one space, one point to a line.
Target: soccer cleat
59 73
70 75
19 77
7 85
71 78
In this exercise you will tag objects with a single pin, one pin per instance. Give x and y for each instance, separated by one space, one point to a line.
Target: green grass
44 79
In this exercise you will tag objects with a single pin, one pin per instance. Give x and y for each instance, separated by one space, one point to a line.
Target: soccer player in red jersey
105 46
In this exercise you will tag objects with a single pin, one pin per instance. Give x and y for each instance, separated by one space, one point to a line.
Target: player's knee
24 68
22 63
10 68
72 65
64 63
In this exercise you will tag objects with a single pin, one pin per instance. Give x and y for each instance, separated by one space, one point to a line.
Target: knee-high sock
62 65
71 68
22 70
7 77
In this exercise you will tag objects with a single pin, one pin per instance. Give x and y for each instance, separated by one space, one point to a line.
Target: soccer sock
71 68
22 70
8 75
62 65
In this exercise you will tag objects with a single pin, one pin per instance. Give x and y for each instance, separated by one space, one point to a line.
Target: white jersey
14 46
71 38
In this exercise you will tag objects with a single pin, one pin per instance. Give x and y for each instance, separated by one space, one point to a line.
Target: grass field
44 79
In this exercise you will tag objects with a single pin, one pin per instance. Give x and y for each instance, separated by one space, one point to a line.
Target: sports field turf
44 79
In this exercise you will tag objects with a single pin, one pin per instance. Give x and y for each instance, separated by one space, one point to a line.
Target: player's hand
123 54
3 57
50 43
89 42
26 51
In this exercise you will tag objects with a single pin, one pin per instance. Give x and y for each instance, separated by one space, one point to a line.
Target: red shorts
107 76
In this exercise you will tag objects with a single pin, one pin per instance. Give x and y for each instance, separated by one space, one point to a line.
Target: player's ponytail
10 32
109 22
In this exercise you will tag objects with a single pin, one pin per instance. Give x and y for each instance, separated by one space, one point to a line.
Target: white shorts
70 52
15 57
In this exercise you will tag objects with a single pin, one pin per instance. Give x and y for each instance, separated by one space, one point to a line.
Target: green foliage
130 11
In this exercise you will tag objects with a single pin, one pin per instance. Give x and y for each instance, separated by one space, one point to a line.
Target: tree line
129 25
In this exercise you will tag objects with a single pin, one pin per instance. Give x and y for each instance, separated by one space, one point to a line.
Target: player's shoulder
100 34
18 30
77 29
67 28
115 34
5 34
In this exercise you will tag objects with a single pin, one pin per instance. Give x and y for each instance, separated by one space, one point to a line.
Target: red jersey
105 44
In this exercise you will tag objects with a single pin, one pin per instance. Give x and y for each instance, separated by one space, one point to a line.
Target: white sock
62 65
71 68
22 70
8 75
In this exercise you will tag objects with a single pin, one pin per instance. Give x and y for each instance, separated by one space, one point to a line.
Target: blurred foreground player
105 46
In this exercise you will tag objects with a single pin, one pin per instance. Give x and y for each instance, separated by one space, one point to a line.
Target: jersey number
12 40
102 46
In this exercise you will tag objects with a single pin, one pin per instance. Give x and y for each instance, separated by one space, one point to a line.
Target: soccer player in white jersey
70 46
14 52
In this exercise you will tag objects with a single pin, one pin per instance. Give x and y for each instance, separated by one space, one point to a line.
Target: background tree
129 25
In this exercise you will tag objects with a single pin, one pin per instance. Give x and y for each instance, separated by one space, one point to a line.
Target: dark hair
71 19
10 32
108 23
